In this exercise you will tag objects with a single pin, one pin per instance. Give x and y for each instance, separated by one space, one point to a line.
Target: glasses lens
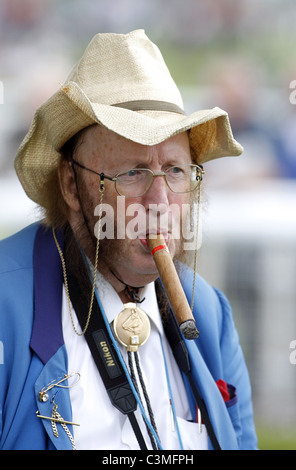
134 183
183 179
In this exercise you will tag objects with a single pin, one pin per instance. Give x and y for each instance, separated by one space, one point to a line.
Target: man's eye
130 176
132 173
175 171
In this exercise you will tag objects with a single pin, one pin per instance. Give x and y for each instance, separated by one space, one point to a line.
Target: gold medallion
132 327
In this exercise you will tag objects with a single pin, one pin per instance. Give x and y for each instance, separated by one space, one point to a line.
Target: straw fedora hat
122 83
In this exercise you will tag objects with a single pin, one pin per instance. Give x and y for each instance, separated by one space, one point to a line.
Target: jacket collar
47 335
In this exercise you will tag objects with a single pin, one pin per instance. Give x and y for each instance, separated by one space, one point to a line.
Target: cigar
172 286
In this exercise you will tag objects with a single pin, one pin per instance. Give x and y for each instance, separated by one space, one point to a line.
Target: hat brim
69 110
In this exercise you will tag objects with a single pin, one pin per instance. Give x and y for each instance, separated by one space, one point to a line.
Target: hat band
150 105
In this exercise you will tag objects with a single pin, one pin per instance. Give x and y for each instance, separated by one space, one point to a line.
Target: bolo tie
132 329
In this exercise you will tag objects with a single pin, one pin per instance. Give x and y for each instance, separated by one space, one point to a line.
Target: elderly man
95 356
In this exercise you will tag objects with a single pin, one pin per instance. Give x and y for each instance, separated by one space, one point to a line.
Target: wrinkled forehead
99 147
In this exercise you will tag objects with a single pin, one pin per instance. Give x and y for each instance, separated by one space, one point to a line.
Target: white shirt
101 425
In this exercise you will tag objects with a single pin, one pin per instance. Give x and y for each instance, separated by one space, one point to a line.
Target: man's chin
144 265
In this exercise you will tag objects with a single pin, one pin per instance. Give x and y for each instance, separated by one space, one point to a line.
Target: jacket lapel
47 337
53 401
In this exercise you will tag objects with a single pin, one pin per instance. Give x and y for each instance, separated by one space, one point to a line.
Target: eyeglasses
137 181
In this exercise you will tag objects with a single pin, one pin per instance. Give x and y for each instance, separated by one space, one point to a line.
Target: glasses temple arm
101 175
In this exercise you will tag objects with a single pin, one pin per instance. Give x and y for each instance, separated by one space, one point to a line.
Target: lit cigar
172 286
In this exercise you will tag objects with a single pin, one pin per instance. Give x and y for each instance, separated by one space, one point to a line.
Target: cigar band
132 327
159 247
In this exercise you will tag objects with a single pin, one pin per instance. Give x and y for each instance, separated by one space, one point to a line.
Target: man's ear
68 185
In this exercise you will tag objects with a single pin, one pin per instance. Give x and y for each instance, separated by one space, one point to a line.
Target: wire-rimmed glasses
137 181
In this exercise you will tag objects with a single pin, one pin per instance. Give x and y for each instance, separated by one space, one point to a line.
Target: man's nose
158 192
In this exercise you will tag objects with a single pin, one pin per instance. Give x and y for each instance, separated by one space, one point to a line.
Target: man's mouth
144 242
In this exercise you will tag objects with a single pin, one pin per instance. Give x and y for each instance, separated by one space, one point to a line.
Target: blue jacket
34 353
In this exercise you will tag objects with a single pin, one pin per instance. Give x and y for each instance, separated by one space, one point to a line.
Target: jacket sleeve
236 374
16 313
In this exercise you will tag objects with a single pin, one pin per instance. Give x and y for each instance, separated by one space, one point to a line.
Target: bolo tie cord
148 404
133 294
